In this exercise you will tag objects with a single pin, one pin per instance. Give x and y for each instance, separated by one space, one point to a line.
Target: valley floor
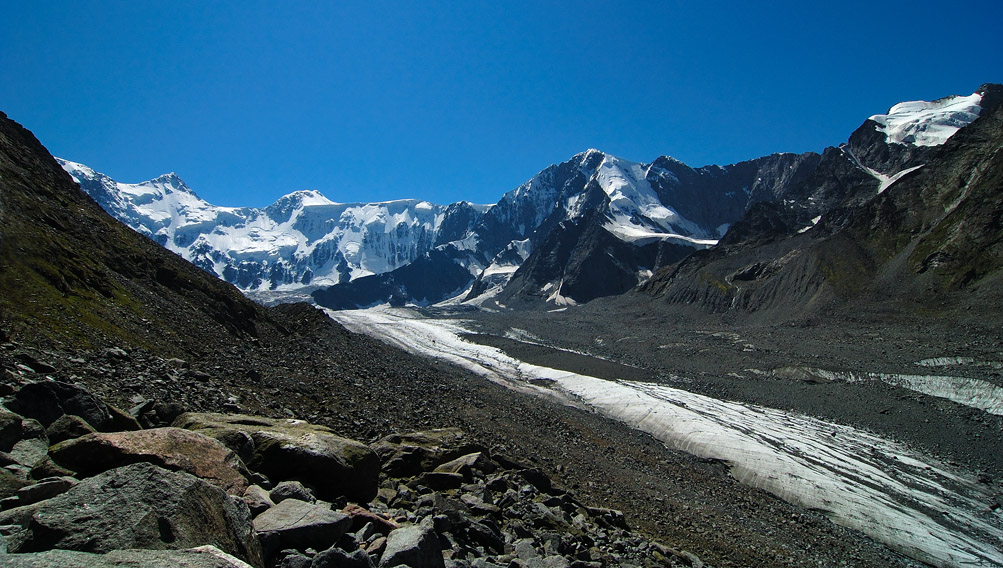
891 431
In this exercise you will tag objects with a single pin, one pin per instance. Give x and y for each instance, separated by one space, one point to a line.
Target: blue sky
374 100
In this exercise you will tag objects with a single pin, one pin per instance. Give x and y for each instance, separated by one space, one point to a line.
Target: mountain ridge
927 241
411 251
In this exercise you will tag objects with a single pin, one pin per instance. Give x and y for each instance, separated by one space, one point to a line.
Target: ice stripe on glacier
974 393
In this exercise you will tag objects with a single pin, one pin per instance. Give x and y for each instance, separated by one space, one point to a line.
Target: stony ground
365 390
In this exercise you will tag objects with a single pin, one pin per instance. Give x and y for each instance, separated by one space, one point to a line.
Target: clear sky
445 101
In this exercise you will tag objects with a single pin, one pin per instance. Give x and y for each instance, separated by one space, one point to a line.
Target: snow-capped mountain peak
303 239
923 123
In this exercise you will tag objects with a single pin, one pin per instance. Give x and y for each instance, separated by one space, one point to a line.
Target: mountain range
596 225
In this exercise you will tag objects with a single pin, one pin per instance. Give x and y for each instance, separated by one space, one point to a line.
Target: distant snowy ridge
301 240
594 225
925 123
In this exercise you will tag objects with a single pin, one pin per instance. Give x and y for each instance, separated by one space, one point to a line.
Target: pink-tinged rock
175 449
360 516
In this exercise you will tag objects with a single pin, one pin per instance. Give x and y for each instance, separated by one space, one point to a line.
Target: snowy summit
923 123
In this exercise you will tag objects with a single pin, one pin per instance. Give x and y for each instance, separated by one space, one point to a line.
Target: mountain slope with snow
904 225
592 226
625 200
301 240
925 123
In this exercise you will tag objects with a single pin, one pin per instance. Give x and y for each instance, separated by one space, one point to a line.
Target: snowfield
914 504
928 123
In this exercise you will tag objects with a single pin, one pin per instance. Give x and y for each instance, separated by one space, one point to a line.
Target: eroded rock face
140 506
295 450
170 448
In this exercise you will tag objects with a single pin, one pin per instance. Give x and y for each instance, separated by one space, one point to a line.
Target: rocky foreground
86 484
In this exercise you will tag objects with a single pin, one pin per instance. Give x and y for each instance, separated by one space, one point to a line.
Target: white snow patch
950 361
638 235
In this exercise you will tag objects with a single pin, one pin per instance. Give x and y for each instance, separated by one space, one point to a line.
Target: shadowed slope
70 274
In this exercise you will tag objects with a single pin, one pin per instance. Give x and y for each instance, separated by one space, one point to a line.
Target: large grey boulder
169 448
141 506
201 557
33 447
300 525
290 449
416 546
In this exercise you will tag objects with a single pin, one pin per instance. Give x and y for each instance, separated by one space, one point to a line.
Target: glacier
913 503
923 123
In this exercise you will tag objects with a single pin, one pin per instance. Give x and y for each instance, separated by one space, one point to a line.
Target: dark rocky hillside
72 276
928 244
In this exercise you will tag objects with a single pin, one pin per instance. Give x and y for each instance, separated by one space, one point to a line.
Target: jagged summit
906 225
302 240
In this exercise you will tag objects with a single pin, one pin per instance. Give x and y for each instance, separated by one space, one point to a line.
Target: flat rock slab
140 506
170 448
300 525
44 489
201 557
290 449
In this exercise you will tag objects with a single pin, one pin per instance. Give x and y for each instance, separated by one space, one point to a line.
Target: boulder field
84 484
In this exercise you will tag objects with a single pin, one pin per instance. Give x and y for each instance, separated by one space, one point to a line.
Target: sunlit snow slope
303 239
925 123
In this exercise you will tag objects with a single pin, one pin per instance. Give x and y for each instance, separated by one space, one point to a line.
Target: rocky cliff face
922 229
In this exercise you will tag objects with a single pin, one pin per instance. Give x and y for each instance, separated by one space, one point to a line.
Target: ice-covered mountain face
303 240
891 145
924 123
594 225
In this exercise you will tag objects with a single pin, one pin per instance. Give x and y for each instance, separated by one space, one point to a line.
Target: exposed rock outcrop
171 448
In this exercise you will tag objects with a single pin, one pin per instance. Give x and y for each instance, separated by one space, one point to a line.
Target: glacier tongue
912 503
